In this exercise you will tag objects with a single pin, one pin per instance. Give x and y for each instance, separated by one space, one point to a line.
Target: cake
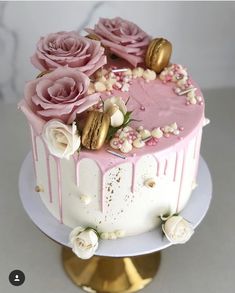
116 132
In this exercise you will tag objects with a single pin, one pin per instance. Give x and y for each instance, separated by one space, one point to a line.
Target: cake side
127 197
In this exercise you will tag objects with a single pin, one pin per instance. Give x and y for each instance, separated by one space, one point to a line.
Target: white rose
116 107
177 229
84 242
62 140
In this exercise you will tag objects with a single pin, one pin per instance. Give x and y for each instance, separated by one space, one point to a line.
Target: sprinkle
147 138
181 128
187 91
176 132
119 70
116 154
142 108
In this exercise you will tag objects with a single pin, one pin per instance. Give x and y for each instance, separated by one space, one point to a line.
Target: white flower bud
84 242
177 229
117 118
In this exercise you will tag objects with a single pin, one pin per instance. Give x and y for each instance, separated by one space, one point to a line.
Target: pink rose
71 49
123 38
60 94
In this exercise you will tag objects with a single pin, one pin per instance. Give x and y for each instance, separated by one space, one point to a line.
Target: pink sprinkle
201 103
187 103
181 128
167 135
149 143
121 141
168 78
115 87
142 108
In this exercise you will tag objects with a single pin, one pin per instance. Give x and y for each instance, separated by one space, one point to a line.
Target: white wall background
202 34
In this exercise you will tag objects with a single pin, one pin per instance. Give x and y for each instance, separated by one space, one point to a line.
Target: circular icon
16 278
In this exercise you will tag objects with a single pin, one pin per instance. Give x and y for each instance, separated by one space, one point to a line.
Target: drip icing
48 171
165 169
158 167
199 137
76 165
59 188
34 150
181 181
176 166
133 177
195 147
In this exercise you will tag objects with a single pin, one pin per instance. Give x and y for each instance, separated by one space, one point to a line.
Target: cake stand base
111 274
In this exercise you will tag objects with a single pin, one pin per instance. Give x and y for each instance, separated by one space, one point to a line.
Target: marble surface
202 34
204 264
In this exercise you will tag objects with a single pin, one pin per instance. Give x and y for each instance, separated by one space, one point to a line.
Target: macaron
43 73
158 54
95 130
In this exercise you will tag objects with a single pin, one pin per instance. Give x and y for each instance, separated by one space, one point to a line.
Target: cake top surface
146 104
154 104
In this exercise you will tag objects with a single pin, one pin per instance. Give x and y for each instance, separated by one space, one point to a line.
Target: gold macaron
43 73
93 37
158 54
95 130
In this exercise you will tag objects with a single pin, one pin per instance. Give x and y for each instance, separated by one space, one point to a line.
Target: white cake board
148 242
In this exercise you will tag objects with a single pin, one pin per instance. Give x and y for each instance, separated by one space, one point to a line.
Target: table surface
205 264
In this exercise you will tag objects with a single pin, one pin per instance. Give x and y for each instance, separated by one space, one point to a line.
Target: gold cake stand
123 265
111 274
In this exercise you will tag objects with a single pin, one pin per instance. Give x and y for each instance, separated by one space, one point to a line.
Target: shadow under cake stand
123 265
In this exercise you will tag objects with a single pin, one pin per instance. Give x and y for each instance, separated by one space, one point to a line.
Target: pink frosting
60 94
71 49
123 38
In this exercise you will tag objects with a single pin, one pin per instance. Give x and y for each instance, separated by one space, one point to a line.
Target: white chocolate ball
99 86
138 143
157 133
149 74
145 133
